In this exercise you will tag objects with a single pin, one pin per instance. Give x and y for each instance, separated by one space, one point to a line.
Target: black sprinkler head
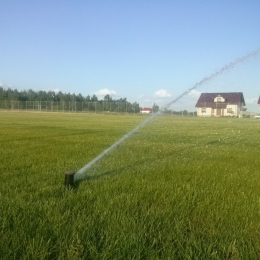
69 179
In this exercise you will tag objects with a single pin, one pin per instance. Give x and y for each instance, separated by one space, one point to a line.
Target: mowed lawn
178 188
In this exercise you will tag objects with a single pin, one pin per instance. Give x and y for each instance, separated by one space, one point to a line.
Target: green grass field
179 188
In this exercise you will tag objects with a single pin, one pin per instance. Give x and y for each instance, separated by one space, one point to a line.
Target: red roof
146 109
258 101
232 98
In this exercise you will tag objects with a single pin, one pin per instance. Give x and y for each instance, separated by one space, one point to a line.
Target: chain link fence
115 107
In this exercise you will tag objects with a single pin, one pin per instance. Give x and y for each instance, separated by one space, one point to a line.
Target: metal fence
115 107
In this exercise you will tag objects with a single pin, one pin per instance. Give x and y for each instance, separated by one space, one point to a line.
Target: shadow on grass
88 178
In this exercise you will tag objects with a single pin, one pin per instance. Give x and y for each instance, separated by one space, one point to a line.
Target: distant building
145 110
220 104
258 101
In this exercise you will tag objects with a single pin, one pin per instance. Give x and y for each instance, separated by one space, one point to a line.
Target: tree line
31 95
52 96
72 101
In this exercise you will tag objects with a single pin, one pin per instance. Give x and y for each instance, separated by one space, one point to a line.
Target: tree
79 97
155 108
94 98
2 93
107 98
88 98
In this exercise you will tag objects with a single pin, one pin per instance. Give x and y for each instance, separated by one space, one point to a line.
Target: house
220 104
146 110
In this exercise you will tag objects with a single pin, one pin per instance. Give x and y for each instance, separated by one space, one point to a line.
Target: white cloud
162 93
104 91
4 85
56 90
194 93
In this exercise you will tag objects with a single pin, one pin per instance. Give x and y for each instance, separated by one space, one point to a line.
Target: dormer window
219 99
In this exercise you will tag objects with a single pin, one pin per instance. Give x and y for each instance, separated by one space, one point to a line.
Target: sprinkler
203 81
69 179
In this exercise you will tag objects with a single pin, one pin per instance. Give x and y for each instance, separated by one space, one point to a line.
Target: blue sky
146 51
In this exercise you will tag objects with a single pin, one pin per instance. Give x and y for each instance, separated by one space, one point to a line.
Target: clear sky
147 51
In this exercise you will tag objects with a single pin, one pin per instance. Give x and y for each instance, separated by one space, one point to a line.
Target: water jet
229 66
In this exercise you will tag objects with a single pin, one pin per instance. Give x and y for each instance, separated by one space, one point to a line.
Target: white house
220 104
145 110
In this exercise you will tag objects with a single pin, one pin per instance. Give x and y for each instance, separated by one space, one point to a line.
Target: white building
145 110
220 104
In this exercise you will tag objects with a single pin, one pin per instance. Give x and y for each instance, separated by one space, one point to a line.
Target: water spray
229 66
70 176
88 165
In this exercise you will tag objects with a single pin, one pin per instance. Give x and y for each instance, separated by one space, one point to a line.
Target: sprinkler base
69 179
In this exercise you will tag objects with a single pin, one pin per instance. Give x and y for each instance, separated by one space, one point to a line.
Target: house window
203 110
229 110
218 99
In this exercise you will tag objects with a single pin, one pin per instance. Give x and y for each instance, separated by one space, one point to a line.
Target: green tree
94 98
155 108
107 98
87 98
2 93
